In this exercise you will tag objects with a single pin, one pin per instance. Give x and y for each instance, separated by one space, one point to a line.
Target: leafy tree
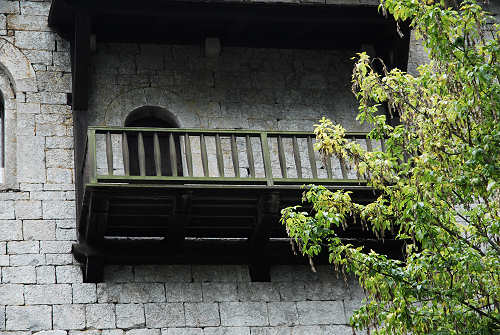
438 180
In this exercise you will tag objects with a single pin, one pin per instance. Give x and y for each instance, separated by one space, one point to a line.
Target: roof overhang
244 24
277 25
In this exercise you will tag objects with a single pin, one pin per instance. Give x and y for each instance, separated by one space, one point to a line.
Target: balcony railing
203 156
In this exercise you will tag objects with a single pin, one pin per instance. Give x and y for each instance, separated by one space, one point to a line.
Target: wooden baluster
141 154
312 157
328 161
234 152
125 154
266 156
204 158
368 144
282 158
343 168
189 154
109 153
218 154
173 155
92 155
251 163
296 157
157 153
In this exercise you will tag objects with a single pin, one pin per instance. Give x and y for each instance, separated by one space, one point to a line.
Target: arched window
152 117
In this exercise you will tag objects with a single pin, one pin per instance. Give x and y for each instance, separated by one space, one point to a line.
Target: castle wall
41 289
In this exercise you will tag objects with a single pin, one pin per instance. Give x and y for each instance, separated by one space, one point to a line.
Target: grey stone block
69 274
183 292
55 247
100 316
131 292
182 331
35 8
202 314
27 22
118 274
27 259
216 292
220 273
321 312
45 274
48 294
9 7
292 291
10 230
283 314
143 332
35 40
19 275
69 316
271 330
84 293
28 209
244 314
7 211
2 317
255 291
12 294
87 332
163 273
58 259
28 317
58 209
54 81
164 315
31 159
130 316
59 176
39 229
23 247
226 331
4 260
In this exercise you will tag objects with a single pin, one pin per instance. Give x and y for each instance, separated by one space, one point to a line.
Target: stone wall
41 289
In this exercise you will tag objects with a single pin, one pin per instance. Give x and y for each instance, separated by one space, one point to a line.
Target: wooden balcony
199 196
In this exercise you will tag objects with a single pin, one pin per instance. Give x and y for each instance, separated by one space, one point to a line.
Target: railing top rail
101 129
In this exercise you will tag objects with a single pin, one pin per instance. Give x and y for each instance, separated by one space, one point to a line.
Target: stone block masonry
41 289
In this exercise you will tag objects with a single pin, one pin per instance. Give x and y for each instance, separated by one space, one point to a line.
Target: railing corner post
92 155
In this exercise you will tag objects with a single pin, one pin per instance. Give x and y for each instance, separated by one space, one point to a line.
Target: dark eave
244 24
237 24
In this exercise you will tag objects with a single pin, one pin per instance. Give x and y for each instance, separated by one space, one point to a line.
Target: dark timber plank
282 157
141 154
109 153
251 163
125 154
157 153
81 61
189 154
204 157
220 157
296 157
234 152
312 157
173 155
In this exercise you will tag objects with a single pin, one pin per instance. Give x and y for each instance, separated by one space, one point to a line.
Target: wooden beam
267 214
176 226
81 61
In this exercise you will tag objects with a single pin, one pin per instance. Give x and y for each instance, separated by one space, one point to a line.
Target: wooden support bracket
98 219
176 226
81 61
267 213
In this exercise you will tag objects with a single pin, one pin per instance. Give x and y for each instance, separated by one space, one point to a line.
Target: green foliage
438 180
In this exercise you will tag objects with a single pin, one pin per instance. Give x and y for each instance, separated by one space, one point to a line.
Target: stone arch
17 76
152 112
185 114
18 67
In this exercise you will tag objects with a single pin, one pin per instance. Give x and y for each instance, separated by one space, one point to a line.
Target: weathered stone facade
41 289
